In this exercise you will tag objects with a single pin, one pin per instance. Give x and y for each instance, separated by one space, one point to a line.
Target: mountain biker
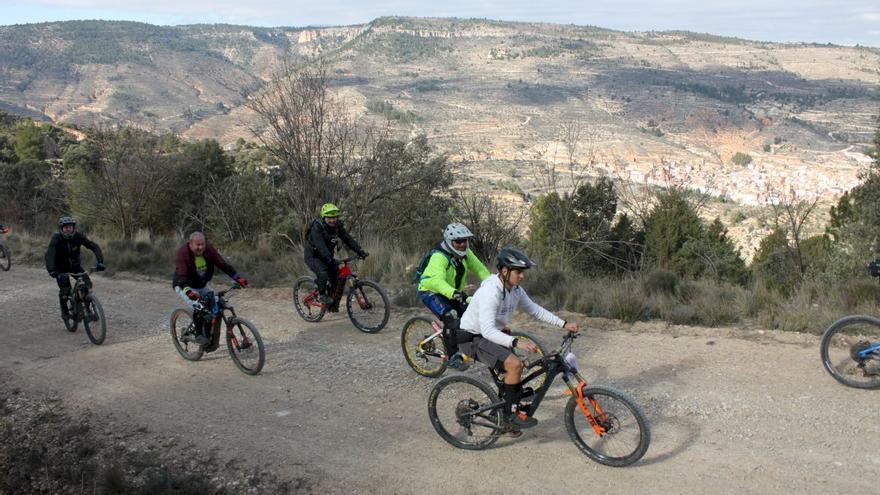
487 317
442 282
194 266
63 257
322 240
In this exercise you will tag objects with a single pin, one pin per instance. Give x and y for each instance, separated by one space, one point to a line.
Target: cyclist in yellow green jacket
442 280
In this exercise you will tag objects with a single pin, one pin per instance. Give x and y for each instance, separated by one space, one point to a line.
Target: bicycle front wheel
183 334
5 257
465 412
71 321
368 306
850 351
245 346
305 299
93 319
425 354
611 429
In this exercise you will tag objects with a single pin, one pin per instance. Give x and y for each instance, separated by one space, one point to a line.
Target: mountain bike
850 351
83 306
366 303
242 338
422 344
5 256
605 424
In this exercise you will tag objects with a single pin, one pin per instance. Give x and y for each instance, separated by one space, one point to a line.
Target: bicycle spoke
607 427
465 412
245 346
851 352
306 301
423 347
368 306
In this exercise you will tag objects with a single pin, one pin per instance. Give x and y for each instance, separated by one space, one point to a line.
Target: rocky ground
337 411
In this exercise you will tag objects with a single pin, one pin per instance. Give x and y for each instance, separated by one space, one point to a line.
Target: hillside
491 94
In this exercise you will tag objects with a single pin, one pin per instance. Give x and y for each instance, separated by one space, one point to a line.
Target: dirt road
732 411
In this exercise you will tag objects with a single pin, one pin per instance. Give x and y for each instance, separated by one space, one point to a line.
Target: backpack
423 263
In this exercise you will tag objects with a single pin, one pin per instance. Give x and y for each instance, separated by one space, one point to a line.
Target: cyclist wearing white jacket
490 311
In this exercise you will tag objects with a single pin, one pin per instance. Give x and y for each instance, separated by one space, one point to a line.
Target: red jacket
185 274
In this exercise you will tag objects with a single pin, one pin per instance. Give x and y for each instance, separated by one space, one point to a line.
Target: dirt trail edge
339 411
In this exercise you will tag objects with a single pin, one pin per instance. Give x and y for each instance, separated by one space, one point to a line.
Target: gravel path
732 410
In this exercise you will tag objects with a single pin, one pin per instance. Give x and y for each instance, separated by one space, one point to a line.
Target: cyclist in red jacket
193 268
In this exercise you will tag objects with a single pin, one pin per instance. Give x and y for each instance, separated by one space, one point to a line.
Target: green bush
626 301
660 281
741 159
715 304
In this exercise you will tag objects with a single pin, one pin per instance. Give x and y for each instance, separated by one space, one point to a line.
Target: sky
843 22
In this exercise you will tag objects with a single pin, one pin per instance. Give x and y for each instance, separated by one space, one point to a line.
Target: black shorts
486 351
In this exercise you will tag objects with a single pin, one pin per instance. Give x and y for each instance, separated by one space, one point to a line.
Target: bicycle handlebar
235 286
81 274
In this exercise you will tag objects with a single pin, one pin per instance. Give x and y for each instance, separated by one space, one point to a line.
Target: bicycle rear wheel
850 351
612 431
305 299
183 334
368 306
245 346
5 257
429 358
93 319
465 412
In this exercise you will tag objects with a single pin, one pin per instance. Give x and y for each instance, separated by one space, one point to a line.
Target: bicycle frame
438 330
79 291
345 274
868 351
219 309
552 365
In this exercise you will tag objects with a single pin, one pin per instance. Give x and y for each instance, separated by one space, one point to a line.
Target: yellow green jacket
440 274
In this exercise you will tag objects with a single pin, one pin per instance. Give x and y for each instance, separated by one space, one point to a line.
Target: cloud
870 16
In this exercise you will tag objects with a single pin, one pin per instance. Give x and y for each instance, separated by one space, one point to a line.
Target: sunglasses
459 241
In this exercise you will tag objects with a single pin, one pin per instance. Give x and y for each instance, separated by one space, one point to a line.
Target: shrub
713 304
626 301
857 292
741 159
681 314
660 281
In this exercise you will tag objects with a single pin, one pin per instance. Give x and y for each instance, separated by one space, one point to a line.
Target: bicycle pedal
512 432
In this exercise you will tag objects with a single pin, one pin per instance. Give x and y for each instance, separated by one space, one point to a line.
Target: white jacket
491 309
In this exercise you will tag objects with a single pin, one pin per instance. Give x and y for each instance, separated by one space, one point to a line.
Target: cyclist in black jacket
322 240
62 257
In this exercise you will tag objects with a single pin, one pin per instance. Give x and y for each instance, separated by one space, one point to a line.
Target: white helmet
456 232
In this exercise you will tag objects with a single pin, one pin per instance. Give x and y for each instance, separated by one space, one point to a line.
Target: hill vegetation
604 250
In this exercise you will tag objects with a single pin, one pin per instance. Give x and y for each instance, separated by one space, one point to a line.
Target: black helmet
66 221
513 258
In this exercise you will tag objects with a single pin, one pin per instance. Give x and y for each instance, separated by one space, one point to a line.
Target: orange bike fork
579 394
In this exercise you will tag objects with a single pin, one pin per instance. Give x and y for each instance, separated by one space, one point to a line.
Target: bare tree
327 156
638 197
550 177
494 226
126 187
309 132
790 214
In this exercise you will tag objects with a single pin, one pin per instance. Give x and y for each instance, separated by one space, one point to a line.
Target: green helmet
329 210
